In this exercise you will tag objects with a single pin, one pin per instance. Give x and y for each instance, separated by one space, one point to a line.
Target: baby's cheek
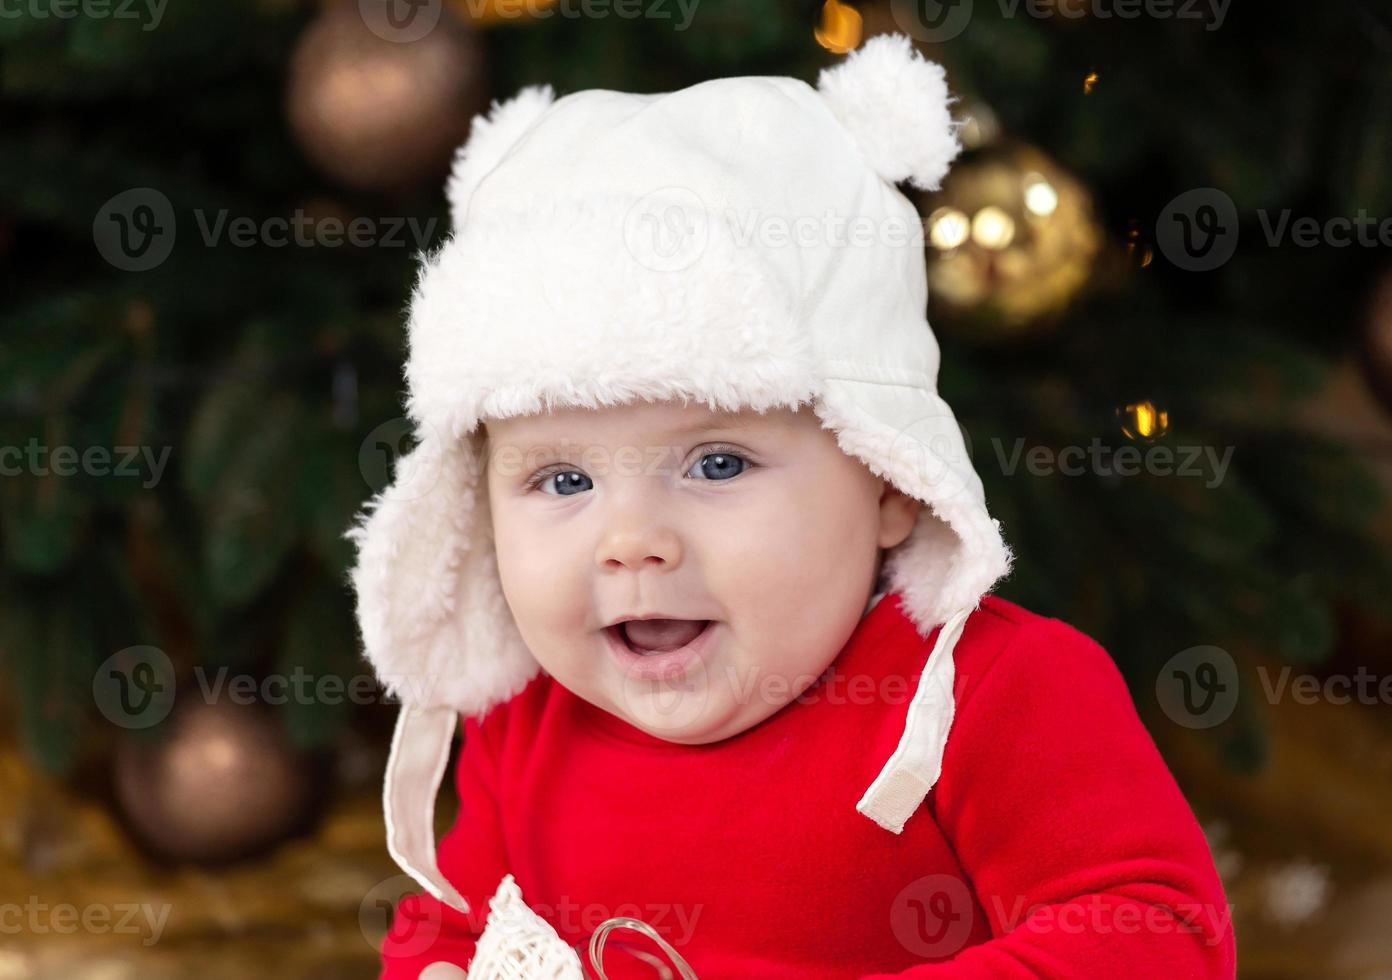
532 578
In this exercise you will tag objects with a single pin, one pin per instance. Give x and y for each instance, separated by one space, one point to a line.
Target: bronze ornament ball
373 106
215 782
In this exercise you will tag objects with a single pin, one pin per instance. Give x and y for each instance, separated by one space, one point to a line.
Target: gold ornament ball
215 782
1011 239
377 108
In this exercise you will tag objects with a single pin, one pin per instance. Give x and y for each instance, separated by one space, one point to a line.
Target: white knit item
518 944
556 291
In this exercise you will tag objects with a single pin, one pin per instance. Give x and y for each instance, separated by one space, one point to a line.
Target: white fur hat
738 243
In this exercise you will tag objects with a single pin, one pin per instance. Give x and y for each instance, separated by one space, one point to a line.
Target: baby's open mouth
646 636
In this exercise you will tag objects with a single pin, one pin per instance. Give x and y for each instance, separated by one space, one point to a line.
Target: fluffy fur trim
434 622
527 310
955 554
490 137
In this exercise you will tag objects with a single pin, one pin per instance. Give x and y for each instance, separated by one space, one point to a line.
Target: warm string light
1040 196
1137 249
839 27
1142 420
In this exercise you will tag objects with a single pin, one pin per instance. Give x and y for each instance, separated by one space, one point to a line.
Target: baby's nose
639 545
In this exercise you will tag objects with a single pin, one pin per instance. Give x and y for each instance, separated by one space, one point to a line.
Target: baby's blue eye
719 466
566 483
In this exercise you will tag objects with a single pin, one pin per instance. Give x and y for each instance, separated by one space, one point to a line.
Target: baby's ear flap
490 137
894 103
435 624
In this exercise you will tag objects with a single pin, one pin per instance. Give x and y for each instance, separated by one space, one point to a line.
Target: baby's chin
696 714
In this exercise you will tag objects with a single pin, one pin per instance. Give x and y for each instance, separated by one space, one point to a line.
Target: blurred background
1161 274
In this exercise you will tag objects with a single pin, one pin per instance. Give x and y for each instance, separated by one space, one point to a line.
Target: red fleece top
1055 844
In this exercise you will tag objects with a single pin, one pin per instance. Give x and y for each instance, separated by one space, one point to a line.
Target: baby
694 549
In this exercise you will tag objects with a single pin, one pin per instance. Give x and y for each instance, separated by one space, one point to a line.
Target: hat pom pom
895 104
490 137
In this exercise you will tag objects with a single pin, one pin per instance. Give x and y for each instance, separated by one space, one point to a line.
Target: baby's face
754 536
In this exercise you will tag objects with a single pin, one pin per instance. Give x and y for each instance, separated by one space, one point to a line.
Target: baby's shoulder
1001 635
1004 637
998 624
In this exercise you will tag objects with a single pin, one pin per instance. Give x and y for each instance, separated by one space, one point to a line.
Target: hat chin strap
419 754
914 767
